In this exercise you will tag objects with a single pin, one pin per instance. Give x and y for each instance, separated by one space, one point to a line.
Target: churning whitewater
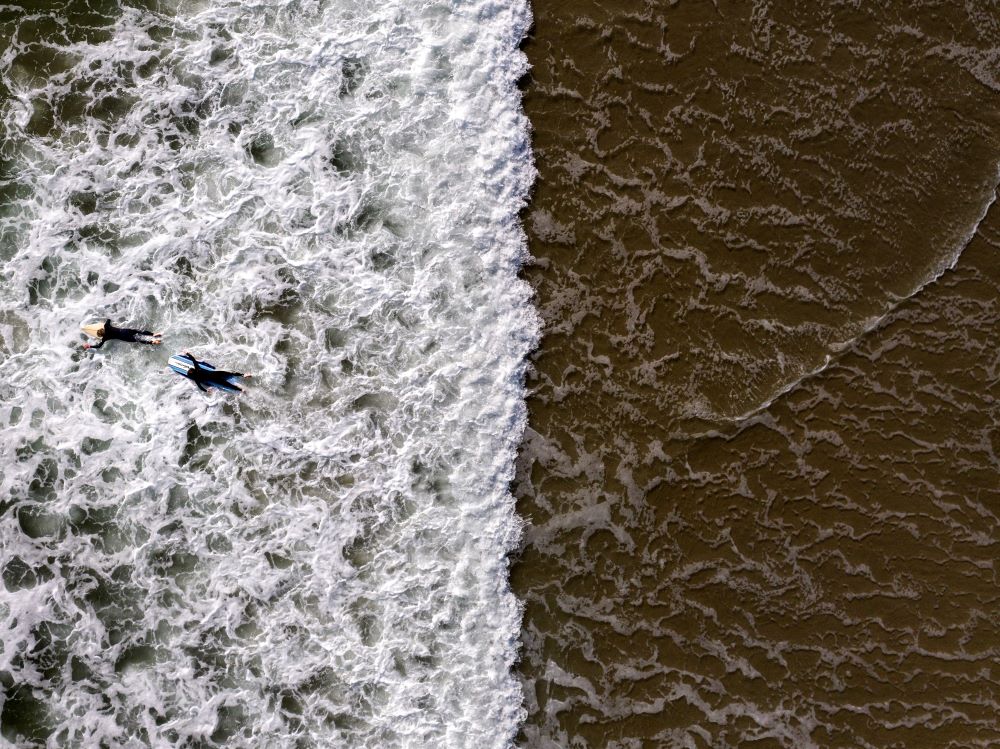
324 194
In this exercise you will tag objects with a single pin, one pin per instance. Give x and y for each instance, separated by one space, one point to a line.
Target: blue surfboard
183 365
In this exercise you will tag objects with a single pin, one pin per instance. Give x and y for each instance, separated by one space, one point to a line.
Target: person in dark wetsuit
130 335
199 374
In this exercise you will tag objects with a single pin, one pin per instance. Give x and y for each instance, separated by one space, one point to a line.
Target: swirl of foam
326 197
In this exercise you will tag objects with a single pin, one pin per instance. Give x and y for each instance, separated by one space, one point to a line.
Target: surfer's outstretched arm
194 362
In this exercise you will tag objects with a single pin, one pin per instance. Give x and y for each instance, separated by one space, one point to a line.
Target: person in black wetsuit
199 374
130 335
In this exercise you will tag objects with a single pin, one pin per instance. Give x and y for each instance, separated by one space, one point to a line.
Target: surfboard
93 329
183 365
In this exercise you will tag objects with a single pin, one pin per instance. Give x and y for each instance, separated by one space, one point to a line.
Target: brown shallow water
761 473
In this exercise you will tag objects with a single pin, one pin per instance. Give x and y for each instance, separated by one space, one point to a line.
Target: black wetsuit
129 335
199 374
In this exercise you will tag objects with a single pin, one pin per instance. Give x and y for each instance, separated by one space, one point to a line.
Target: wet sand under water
760 474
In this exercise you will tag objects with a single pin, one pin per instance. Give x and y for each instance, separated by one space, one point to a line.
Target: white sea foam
325 195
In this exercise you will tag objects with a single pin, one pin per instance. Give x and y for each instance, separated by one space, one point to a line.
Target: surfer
201 375
108 332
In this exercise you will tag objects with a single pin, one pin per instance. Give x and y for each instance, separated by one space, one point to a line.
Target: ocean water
324 194
760 476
